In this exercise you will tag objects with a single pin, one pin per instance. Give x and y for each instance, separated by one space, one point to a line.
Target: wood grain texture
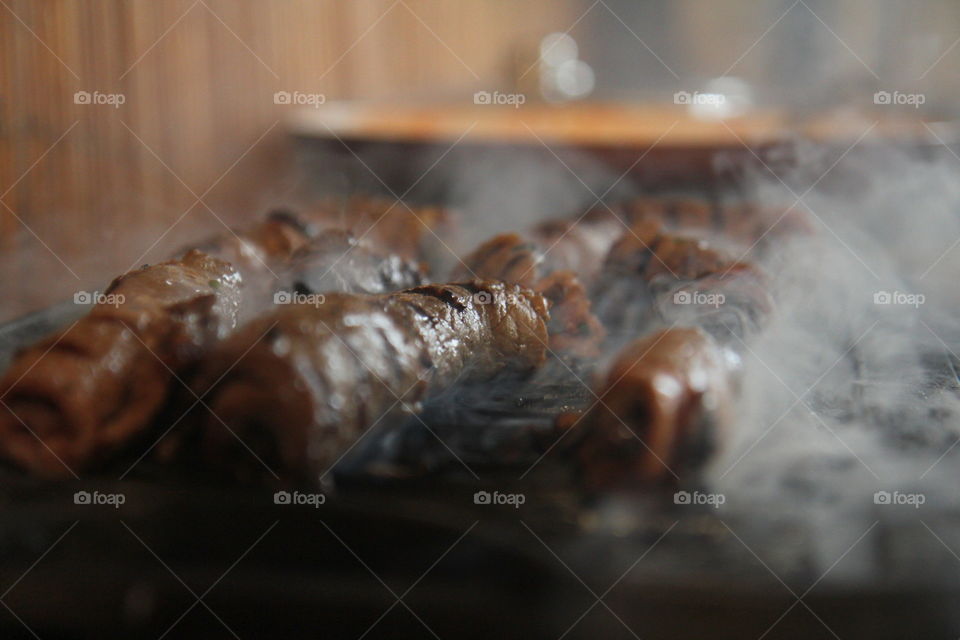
89 190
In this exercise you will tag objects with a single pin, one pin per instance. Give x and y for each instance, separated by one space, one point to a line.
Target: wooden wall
89 189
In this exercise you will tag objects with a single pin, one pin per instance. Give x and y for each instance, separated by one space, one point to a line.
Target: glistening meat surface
668 396
84 394
336 261
299 386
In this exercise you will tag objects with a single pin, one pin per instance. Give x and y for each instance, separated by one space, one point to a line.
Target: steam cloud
850 390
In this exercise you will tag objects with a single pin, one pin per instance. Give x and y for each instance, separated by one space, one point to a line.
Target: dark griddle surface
473 571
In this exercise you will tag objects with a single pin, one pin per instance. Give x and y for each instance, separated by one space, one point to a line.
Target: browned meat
576 246
684 259
558 258
624 231
284 253
651 251
732 305
663 400
262 255
269 243
651 274
301 385
667 396
411 232
634 249
618 267
555 245
573 327
336 261
506 257
82 395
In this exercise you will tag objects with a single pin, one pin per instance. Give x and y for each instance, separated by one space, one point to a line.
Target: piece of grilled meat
262 255
85 393
664 401
284 254
594 252
576 244
301 385
651 275
555 258
668 394
335 261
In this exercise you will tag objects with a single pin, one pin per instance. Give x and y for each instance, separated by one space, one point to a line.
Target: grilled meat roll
574 329
261 254
284 253
645 250
664 400
580 244
82 395
574 244
299 386
651 251
555 258
651 275
668 395
336 261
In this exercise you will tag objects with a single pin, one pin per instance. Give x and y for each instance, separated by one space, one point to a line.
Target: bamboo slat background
88 190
